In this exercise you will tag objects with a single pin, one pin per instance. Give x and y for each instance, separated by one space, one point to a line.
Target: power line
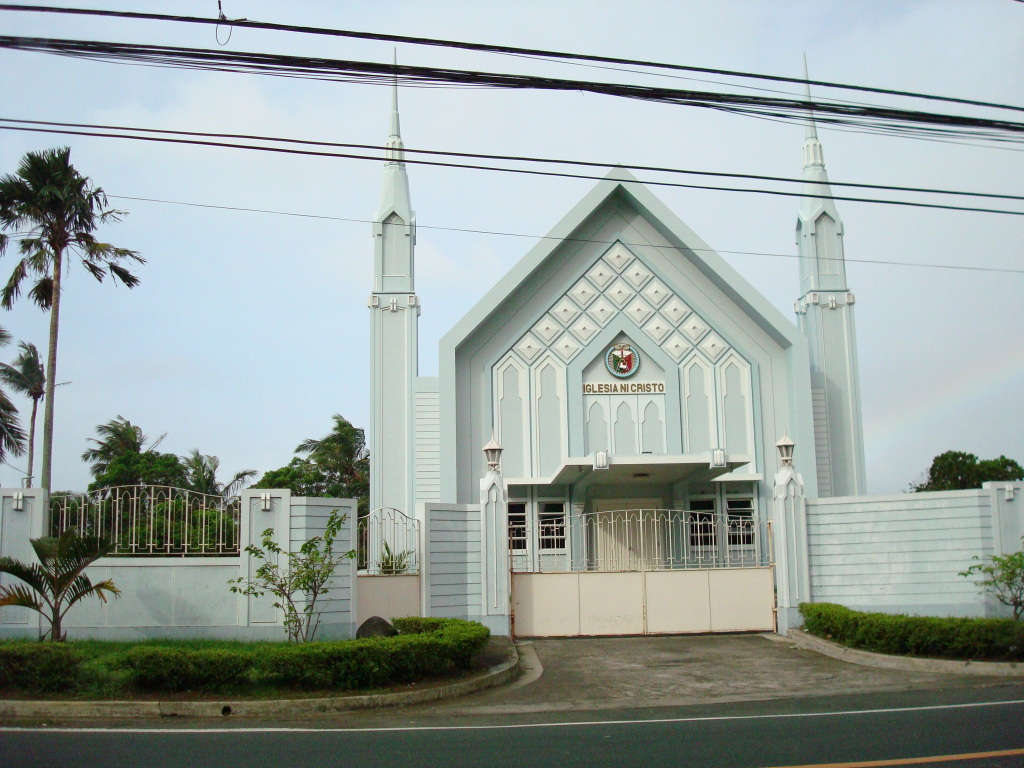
525 171
514 158
898 121
420 225
491 48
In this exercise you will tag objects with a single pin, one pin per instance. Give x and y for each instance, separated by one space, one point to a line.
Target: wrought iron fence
152 521
650 540
389 543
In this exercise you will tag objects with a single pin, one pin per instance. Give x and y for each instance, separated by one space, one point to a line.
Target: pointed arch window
826 245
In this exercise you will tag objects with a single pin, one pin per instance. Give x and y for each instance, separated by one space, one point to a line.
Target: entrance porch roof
648 468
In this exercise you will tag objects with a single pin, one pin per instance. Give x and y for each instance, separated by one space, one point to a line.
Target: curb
495 676
817 644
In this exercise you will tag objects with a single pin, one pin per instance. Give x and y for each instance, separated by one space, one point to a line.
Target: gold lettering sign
624 388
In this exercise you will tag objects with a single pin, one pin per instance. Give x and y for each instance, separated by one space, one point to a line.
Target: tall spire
813 155
395 194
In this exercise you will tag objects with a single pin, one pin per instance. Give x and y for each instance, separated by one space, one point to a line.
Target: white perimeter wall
904 553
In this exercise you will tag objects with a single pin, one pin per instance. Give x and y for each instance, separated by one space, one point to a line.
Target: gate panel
611 603
546 604
678 601
742 599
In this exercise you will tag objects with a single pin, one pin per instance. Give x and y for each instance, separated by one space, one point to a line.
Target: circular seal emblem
622 361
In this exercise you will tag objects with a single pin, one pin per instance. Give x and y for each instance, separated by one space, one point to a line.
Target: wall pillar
496 576
789 533
17 526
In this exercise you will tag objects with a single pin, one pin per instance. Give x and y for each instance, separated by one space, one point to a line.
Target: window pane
551 520
517 526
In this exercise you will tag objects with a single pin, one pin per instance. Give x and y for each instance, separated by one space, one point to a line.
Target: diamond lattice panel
566 347
658 328
601 311
601 274
677 346
618 256
583 292
694 327
529 347
713 346
639 310
675 310
547 329
566 311
637 273
620 292
656 292
584 329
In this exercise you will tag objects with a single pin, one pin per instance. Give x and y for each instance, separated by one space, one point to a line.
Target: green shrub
39 667
944 638
158 668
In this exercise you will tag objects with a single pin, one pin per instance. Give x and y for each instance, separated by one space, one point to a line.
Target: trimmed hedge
44 667
156 668
942 638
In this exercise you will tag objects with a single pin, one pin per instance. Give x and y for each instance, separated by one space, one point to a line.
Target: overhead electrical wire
479 167
570 239
492 48
514 158
825 112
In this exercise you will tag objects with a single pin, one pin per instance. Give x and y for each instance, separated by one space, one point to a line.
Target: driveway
623 672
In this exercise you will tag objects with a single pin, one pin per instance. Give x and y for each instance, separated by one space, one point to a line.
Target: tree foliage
53 212
298 582
1003 577
26 375
148 467
335 466
58 580
12 436
956 471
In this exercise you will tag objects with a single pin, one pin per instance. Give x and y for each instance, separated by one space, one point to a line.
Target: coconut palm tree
25 375
116 438
53 212
12 436
201 474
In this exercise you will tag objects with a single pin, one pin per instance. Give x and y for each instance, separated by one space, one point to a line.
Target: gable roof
691 246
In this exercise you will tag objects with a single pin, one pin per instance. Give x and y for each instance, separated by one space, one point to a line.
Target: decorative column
789 529
496 578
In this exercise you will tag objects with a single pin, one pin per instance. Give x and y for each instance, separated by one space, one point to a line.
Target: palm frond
19 595
42 293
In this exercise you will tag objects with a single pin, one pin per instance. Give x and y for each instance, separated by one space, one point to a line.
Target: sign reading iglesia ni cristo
624 388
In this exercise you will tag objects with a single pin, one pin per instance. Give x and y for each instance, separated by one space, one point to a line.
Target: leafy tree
955 471
336 466
201 475
12 436
53 212
25 375
298 583
134 468
117 438
58 581
1004 578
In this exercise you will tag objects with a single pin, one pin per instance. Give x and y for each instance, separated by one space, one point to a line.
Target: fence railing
389 543
152 521
644 540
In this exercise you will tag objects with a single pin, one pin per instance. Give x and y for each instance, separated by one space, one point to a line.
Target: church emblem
622 361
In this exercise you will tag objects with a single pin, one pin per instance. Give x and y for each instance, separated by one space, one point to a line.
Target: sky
249 330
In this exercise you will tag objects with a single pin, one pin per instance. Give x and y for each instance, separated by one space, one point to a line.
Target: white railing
152 521
389 543
654 540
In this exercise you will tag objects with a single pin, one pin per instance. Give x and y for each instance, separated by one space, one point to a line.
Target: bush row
942 638
424 647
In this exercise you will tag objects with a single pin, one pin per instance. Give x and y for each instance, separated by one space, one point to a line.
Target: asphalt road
963 728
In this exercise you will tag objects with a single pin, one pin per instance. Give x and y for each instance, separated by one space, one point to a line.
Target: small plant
394 563
300 582
58 581
1004 578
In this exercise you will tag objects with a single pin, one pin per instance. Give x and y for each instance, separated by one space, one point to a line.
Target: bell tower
825 315
394 342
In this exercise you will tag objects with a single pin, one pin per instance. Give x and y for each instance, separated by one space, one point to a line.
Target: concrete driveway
621 672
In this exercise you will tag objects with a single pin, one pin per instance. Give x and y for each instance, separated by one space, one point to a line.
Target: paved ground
607 673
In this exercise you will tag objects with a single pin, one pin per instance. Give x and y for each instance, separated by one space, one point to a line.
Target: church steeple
394 333
825 315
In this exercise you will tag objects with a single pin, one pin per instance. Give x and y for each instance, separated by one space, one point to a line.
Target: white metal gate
650 571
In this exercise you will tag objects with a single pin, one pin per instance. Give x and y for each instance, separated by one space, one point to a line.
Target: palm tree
12 436
201 473
57 581
116 438
26 376
343 452
53 212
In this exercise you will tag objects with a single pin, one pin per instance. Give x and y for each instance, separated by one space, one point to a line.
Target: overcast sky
250 329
